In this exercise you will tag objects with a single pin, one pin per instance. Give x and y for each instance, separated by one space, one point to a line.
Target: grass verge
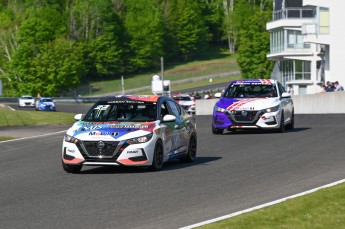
5 138
322 209
29 118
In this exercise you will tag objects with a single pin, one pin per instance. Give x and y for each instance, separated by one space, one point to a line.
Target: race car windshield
251 91
122 112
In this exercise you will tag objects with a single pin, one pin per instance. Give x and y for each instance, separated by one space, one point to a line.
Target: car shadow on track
168 166
258 131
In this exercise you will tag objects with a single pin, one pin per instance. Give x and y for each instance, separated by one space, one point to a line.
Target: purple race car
253 104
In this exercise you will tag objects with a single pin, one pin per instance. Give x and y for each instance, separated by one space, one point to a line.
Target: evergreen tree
190 32
145 25
253 47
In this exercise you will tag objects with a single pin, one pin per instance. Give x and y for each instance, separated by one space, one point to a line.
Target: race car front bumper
112 153
244 119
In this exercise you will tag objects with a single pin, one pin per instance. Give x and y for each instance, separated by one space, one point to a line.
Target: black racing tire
291 125
216 131
158 156
71 168
192 149
281 128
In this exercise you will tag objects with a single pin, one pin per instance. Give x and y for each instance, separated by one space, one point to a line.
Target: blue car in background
45 104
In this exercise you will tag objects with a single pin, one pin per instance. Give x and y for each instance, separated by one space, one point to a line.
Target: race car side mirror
169 118
78 117
286 95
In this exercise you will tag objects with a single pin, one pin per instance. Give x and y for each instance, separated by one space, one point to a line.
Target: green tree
32 34
190 32
236 13
145 25
254 45
88 17
7 41
213 14
42 62
57 69
107 51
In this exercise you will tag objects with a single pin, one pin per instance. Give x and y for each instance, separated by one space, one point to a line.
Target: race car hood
247 103
47 103
185 103
27 100
109 131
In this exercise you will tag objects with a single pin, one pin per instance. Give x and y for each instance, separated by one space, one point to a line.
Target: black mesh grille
94 150
242 116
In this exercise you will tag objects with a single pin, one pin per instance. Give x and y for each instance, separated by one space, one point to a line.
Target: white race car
130 131
186 101
26 101
253 104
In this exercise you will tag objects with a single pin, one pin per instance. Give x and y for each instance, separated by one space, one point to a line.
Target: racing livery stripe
266 82
241 103
151 98
130 162
74 161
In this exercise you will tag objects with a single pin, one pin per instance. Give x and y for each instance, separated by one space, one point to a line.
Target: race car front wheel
281 128
291 125
71 168
216 130
157 162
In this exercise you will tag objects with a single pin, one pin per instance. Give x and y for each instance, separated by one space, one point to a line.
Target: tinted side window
175 109
281 89
164 109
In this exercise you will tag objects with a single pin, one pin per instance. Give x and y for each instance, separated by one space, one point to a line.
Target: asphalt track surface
232 172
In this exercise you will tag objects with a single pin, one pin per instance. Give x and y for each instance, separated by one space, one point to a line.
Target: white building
307 43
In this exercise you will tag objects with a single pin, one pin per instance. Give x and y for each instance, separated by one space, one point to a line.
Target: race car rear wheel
216 130
157 162
192 148
71 168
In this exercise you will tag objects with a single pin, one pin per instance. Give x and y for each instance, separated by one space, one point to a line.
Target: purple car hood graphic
247 103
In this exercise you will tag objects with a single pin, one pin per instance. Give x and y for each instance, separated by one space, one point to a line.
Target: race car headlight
272 109
219 109
71 139
141 139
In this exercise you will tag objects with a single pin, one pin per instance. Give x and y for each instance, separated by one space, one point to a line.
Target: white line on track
11 108
37 136
262 206
7 106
